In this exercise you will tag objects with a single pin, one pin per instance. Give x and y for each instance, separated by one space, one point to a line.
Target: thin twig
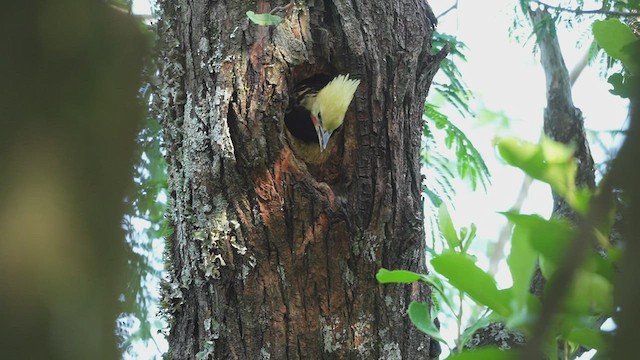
459 321
579 11
580 66
453 7
505 232
138 16
281 8
118 8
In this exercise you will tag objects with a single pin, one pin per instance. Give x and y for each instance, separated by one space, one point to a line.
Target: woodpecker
318 107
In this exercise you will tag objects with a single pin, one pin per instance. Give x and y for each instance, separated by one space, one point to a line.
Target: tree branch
563 122
286 8
579 11
453 7
505 232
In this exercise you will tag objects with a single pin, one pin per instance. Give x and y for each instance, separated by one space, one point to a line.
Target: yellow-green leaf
618 40
421 318
463 274
264 19
447 228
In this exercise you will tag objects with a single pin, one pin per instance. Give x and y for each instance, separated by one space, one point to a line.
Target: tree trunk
272 257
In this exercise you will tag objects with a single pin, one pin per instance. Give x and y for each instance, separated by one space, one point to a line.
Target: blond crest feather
333 100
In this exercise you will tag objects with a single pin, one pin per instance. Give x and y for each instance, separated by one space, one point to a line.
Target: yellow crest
332 101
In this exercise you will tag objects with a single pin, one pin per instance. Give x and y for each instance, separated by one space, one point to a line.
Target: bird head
329 106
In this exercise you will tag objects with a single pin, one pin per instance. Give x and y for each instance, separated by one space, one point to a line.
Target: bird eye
319 118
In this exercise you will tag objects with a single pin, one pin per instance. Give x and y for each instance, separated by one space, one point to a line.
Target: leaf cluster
534 240
468 163
538 242
455 92
620 43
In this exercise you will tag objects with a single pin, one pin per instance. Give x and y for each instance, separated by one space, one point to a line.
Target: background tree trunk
69 116
563 122
272 257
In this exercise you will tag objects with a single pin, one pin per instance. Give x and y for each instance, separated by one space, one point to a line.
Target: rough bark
271 258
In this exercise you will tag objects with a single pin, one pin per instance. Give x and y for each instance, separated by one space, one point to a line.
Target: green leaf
264 19
548 237
591 289
591 338
468 237
469 331
618 40
385 276
468 160
525 316
463 274
522 261
422 319
623 86
591 293
447 228
435 199
549 161
487 353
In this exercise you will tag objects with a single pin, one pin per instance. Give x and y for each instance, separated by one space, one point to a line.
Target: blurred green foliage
145 221
533 239
69 109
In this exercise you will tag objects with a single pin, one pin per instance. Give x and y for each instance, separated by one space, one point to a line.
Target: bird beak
323 137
